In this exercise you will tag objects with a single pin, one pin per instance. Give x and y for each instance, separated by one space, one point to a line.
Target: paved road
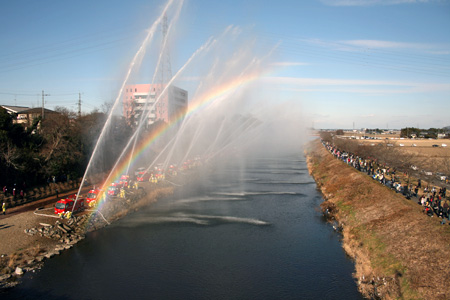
45 202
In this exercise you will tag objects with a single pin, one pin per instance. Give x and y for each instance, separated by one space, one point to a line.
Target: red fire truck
92 198
67 204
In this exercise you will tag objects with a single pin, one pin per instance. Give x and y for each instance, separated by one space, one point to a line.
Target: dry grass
388 236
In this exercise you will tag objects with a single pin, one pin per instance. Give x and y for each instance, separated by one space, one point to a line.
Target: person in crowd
433 201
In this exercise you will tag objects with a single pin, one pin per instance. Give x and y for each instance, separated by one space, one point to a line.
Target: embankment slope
399 252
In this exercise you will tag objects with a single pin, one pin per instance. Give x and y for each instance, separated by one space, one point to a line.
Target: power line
18 94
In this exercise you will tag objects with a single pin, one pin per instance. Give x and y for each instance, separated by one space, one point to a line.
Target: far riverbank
399 252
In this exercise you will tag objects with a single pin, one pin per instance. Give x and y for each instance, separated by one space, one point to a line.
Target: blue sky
372 63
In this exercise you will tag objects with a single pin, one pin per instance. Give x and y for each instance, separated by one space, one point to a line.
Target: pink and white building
139 99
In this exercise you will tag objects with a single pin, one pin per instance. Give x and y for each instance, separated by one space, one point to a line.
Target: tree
19 150
326 136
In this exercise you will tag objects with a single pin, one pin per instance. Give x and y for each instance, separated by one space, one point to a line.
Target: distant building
26 115
15 110
139 100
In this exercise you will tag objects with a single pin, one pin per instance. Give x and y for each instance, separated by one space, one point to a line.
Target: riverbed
245 230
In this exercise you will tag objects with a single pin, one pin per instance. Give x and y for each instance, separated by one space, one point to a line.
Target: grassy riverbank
399 252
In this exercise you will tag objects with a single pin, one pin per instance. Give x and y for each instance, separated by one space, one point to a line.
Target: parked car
435 146
441 176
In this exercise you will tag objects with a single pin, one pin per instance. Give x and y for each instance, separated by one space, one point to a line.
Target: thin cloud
289 64
384 44
362 46
328 81
356 85
371 2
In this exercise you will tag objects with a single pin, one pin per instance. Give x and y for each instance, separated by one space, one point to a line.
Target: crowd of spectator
433 199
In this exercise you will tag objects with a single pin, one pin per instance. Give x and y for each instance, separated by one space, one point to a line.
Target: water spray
141 50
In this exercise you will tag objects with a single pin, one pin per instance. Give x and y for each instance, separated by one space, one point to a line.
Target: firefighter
122 193
4 208
136 186
68 215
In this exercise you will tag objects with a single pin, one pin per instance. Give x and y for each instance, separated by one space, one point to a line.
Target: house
26 115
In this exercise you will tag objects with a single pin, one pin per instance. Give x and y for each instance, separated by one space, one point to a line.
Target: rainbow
196 105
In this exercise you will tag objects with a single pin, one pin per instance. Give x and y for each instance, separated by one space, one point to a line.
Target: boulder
61 228
18 271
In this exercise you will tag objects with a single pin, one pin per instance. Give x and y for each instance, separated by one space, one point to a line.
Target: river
247 230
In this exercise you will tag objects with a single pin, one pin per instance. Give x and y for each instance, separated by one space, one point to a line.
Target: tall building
139 100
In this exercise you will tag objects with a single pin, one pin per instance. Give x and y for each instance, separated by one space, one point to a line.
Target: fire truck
124 180
143 176
159 173
67 205
173 170
92 197
114 189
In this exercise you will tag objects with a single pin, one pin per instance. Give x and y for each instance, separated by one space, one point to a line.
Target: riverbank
399 252
28 239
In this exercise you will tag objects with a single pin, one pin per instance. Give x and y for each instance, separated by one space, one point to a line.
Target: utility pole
43 103
79 104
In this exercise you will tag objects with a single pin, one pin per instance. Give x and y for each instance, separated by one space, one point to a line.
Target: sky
348 63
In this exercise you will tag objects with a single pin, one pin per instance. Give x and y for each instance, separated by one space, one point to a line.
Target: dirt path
17 219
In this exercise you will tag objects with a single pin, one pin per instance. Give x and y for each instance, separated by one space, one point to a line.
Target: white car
441 176
444 145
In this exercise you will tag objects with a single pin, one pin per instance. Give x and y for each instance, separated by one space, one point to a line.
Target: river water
247 230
